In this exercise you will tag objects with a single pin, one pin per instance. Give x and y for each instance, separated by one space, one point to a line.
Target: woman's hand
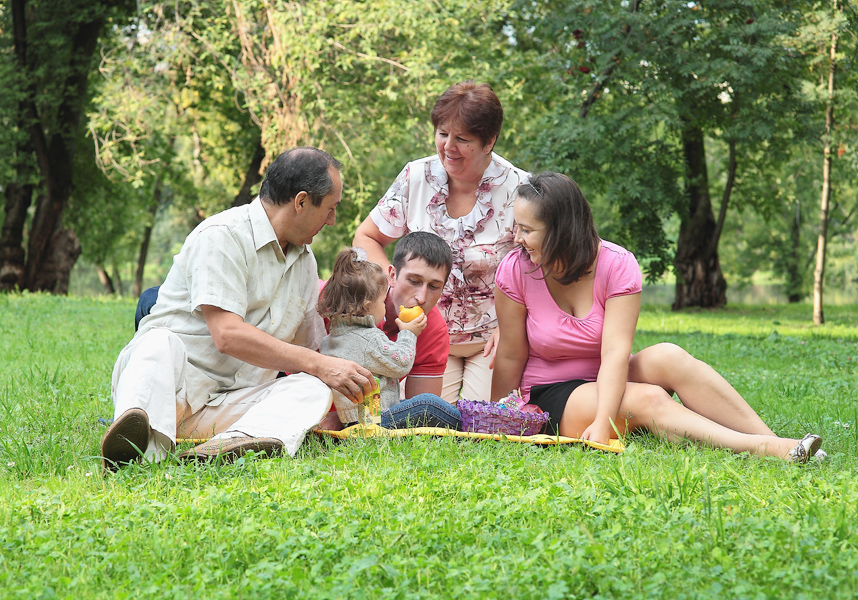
598 431
618 333
492 347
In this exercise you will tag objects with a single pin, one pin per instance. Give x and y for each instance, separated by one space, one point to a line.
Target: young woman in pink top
567 305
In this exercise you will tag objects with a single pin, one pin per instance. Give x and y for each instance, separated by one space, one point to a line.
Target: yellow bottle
373 401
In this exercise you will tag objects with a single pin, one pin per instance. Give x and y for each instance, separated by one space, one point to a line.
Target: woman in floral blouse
465 194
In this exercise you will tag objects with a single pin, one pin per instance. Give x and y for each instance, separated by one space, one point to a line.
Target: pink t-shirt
563 347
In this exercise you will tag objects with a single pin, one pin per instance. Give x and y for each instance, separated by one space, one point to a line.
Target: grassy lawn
425 517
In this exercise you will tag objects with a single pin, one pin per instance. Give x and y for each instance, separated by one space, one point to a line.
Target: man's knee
153 352
309 387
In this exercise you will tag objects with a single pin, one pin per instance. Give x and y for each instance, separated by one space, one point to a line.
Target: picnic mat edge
615 446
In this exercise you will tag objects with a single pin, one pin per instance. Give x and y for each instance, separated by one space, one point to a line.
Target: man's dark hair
422 244
303 169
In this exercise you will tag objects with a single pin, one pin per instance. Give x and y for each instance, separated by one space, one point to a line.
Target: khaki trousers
150 374
467 374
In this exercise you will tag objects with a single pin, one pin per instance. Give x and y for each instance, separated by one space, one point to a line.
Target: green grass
425 517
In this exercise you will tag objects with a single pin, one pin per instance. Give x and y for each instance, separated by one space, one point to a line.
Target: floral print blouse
479 240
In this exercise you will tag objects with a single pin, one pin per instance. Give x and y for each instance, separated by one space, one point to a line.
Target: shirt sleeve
625 277
509 276
433 347
389 215
216 271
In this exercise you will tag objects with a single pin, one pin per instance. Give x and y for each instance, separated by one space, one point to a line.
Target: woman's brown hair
571 242
355 283
475 107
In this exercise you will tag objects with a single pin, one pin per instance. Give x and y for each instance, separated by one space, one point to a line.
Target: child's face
376 309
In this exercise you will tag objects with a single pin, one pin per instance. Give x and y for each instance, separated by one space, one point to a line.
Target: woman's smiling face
530 231
463 155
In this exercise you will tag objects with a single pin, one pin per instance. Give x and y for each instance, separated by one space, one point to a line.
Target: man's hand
245 342
346 377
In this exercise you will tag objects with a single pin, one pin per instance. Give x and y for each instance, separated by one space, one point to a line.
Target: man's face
311 218
416 284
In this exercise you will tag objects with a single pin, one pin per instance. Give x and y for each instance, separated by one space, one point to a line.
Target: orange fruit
409 314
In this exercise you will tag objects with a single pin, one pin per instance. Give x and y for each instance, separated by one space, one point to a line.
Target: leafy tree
50 52
639 92
830 34
359 79
249 78
166 123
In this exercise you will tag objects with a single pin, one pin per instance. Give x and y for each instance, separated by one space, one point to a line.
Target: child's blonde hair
355 283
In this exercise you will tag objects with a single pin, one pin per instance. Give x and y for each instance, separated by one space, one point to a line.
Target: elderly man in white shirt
237 307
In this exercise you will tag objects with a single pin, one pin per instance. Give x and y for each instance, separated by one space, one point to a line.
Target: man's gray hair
303 169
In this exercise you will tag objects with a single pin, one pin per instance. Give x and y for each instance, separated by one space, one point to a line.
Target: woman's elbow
368 233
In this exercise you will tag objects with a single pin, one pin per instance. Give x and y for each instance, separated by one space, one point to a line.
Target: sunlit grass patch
426 517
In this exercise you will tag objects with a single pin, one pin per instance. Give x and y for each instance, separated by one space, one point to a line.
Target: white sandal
806 448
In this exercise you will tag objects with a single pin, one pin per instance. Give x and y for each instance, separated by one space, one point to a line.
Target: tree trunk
45 268
12 257
55 271
725 198
699 281
105 280
147 237
822 239
137 288
252 177
793 259
118 281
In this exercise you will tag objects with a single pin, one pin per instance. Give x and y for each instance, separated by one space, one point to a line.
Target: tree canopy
685 123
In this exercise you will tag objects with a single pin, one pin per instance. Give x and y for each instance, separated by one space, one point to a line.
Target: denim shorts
552 398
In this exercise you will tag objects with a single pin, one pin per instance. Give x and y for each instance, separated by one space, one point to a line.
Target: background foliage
695 129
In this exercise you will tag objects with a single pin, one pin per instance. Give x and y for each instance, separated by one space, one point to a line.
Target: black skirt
552 398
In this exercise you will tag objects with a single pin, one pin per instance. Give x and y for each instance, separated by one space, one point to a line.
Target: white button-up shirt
233 261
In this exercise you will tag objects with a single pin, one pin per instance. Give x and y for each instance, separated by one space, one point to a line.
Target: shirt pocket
286 315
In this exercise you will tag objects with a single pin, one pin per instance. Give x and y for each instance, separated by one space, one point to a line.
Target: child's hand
415 326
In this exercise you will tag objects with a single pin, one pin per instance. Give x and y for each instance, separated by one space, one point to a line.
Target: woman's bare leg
698 385
651 407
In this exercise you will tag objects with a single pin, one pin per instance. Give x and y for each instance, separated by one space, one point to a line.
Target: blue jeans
423 410
144 304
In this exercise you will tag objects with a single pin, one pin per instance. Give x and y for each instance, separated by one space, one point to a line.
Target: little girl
353 300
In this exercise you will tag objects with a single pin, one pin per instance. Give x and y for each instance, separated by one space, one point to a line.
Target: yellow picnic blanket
615 446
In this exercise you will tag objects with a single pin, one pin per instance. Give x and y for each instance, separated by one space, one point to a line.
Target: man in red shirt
420 267
416 277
